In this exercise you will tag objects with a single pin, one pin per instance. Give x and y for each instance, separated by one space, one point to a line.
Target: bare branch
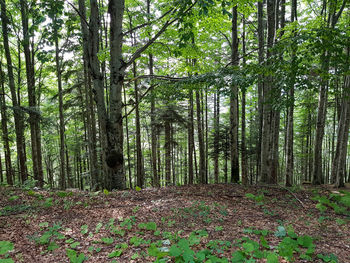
147 23
77 11
138 52
141 97
156 77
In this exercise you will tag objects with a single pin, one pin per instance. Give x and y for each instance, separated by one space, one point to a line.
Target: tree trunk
260 83
200 140
190 137
5 133
268 165
139 164
90 113
217 134
34 114
234 102
339 161
18 114
244 162
62 178
167 146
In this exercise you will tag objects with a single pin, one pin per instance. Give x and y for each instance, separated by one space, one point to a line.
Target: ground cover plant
225 223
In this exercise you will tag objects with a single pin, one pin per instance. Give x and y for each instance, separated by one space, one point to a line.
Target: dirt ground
225 212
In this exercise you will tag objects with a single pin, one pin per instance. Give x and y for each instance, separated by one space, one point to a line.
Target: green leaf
272 258
305 241
248 247
281 232
175 251
52 246
5 246
6 260
238 257
115 253
107 240
137 188
84 229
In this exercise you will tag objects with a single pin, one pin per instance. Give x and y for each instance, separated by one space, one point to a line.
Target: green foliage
148 226
5 247
331 258
74 257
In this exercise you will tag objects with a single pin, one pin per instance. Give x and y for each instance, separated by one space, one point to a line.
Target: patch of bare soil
139 226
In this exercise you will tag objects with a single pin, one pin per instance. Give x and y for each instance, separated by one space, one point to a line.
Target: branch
81 16
156 77
226 37
150 42
147 23
141 97
336 16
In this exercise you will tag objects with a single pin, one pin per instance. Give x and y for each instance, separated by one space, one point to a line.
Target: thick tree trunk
268 144
89 102
200 140
339 161
18 114
234 102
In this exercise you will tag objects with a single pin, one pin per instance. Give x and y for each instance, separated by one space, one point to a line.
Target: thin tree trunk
62 178
167 146
200 140
244 162
190 137
217 134
260 83
139 163
127 140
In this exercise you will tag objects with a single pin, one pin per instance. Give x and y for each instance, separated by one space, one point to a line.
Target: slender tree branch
138 52
156 77
141 97
147 23
77 11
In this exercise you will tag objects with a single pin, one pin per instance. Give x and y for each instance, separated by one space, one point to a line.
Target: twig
302 204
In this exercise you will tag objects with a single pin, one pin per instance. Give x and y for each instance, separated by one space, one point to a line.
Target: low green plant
74 257
5 248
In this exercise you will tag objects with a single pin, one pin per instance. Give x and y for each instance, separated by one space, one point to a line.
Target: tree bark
200 140
290 114
190 136
34 114
268 165
18 114
339 161
89 102
217 134
234 102
5 133
62 178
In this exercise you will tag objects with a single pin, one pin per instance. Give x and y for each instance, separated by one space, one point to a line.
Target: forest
174 131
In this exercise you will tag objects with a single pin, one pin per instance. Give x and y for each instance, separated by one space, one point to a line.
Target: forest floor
200 223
